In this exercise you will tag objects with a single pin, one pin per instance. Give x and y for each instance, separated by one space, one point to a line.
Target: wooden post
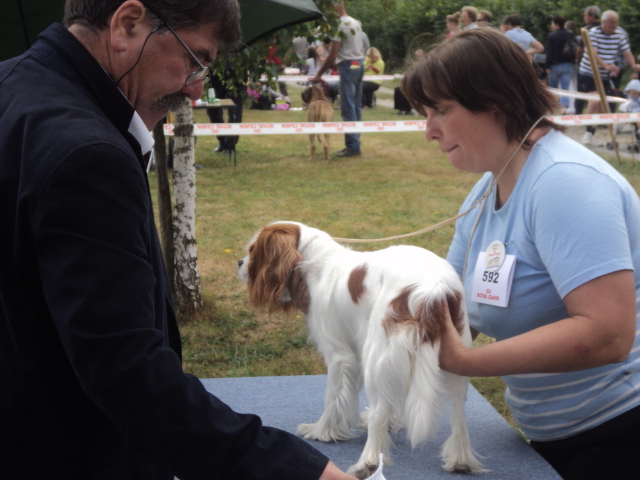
598 81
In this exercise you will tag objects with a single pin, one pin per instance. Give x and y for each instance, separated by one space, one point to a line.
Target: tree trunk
188 297
164 202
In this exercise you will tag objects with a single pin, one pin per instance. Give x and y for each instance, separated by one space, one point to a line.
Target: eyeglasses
201 72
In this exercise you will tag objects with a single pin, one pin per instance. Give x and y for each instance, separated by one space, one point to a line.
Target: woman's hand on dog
453 353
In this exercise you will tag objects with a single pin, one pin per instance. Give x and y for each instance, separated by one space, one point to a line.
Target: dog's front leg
340 403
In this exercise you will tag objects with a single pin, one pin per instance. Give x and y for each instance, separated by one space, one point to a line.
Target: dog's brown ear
272 258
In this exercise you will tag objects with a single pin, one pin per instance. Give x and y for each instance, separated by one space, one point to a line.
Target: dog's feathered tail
414 326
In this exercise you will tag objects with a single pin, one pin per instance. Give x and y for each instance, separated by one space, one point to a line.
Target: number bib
493 276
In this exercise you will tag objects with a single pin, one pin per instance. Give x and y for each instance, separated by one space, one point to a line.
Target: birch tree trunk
188 297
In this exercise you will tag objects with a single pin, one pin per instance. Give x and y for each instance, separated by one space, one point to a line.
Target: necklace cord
481 202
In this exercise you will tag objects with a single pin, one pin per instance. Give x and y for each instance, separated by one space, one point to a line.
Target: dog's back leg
326 146
457 454
312 143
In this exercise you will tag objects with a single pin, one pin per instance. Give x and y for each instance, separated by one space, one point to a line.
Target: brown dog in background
320 110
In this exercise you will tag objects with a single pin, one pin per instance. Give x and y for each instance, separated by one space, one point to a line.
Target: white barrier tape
329 78
584 96
223 129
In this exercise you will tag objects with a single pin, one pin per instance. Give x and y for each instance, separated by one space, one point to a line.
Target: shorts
586 83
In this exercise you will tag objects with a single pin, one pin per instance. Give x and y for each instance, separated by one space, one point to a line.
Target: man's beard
169 102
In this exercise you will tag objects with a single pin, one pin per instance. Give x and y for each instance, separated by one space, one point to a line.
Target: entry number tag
490 286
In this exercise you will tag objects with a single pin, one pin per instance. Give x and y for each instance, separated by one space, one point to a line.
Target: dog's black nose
240 262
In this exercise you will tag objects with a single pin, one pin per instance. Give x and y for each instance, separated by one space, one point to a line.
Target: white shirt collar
138 129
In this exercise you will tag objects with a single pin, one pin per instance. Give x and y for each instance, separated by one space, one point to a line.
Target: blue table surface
285 402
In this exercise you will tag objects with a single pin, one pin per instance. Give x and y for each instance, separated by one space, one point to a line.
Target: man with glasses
91 383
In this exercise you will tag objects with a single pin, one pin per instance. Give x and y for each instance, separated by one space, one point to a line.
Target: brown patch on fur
272 259
320 110
429 318
299 291
398 313
356 283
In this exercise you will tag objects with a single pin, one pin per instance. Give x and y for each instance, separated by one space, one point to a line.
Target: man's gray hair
593 11
609 15
180 14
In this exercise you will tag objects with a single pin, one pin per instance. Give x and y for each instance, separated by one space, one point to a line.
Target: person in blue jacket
91 382
549 256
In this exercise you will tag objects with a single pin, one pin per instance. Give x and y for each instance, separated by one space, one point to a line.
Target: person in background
300 45
484 19
312 62
366 45
549 258
373 65
559 66
274 59
91 379
632 92
226 85
400 102
572 27
468 17
347 53
512 27
607 41
453 25
591 17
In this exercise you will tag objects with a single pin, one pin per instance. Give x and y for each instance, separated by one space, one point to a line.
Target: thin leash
477 203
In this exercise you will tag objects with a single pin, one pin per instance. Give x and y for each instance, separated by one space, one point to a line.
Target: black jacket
555 45
91 383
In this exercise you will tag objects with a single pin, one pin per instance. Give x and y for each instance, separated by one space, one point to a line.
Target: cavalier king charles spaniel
377 318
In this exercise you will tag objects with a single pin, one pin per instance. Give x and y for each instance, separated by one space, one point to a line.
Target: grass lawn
400 184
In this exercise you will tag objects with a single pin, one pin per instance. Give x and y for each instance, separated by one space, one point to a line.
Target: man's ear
128 24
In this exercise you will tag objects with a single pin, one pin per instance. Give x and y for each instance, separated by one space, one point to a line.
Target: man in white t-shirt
348 55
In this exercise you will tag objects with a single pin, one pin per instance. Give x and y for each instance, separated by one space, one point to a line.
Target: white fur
404 384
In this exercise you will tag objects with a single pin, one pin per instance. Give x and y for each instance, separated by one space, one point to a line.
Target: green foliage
396 27
249 64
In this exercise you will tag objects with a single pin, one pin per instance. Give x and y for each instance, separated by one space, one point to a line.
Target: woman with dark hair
560 63
549 252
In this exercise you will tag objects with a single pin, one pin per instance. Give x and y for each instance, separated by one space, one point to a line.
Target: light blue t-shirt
523 38
571 218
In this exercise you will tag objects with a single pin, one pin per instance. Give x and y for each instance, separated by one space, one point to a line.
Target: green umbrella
22 20
262 17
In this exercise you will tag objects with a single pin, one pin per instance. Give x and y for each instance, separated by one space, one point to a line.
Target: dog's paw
362 472
316 431
471 465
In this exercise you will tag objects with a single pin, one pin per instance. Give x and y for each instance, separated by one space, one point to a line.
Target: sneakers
587 139
347 152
